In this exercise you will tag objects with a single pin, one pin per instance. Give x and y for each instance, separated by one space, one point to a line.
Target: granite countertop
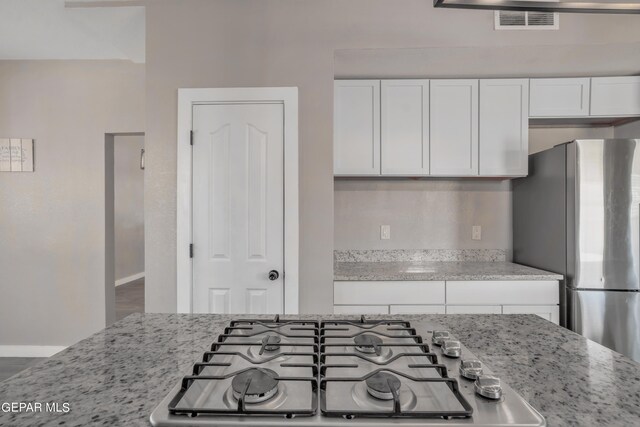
119 375
438 270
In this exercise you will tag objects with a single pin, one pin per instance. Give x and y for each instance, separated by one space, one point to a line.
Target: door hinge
190 250
191 137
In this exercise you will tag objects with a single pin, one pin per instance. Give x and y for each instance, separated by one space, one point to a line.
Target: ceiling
46 29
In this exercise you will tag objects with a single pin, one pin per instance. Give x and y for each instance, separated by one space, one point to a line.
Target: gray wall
541 139
630 130
52 236
226 43
423 214
128 206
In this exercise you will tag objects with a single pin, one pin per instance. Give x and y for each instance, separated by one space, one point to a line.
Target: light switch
385 232
476 232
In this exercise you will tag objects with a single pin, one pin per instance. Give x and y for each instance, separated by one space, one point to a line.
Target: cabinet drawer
548 312
474 309
360 309
401 292
416 309
559 97
529 292
615 96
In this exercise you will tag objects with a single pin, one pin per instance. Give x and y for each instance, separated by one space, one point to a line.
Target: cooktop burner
383 385
292 372
270 343
255 385
367 343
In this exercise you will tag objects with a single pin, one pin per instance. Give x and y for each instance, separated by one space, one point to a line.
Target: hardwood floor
9 366
130 299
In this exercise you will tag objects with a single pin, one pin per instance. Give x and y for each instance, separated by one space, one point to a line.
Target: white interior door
238 218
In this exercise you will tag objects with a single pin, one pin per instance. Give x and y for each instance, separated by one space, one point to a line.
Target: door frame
187 98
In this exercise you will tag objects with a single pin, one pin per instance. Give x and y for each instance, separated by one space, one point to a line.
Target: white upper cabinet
559 97
615 96
464 127
504 127
454 127
405 127
356 121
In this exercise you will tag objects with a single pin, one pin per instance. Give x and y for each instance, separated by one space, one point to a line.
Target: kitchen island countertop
118 375
438 270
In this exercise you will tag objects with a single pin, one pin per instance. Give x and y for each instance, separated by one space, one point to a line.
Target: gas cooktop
342 373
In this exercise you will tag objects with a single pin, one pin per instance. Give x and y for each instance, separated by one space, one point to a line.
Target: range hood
570 6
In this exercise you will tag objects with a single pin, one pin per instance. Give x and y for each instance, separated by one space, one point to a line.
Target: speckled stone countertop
438 270
118 376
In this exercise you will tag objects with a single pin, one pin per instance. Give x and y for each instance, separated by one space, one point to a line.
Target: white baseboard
30 350
128 279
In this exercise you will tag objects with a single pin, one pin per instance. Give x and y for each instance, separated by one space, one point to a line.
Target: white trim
30 350
186 99
128 279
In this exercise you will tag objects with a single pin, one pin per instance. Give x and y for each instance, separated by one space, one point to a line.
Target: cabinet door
549 312
454 127
559 97
360 309
404 127
356 127
615 96
416 309
474 309
504 127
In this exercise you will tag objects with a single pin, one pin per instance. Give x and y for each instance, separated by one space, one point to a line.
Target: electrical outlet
385 232
476 232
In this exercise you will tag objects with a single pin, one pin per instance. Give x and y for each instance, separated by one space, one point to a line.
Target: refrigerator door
603 214
609 318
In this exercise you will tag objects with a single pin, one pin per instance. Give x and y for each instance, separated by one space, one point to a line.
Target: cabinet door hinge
190 250
191 137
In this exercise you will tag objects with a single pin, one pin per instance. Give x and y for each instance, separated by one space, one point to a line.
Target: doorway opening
124 225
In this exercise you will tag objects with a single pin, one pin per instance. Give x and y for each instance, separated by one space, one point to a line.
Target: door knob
273 275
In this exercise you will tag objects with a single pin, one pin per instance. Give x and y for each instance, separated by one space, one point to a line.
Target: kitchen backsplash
422 213
399 255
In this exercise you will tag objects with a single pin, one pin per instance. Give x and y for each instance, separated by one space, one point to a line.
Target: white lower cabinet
503 292
549 312
539 297
417 309
360 309
474 309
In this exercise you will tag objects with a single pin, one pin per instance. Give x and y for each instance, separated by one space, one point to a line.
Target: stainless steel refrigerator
577 213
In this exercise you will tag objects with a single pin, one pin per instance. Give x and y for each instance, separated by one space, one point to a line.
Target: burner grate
243 407
392 393
261 387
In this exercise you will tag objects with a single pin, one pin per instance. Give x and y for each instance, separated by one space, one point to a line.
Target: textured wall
541 139
205 43
630 130
52 221
128 206
423 214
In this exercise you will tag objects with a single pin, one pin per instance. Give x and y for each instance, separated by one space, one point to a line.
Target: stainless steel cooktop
341 373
